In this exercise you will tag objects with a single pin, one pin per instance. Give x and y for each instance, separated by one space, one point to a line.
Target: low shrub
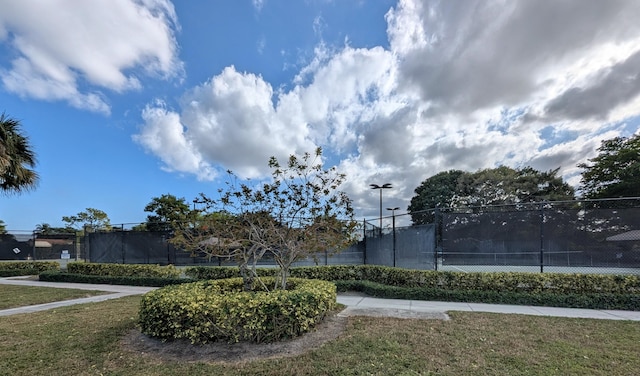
11 269
123 270
223 272
551 299
538 283
55 276
218 310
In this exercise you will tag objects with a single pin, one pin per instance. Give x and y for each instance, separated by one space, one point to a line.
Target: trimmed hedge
123 270
550 299
533 283
221 272
218 310
12 269
594 291
54 276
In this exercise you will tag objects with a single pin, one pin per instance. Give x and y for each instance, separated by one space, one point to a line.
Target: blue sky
127 100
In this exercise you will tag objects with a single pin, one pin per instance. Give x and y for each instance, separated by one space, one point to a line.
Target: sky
126 100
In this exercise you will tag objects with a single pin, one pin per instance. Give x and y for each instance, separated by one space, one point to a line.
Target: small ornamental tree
297 214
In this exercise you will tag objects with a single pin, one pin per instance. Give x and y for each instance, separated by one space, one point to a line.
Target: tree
297 214
90 220
3 227
615 171
504 185
436 191
493 186
46 229
17 159
168 209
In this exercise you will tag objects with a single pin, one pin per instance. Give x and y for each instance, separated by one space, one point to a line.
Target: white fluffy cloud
468 85
62 46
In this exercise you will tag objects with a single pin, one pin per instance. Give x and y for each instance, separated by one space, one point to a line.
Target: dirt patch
182 350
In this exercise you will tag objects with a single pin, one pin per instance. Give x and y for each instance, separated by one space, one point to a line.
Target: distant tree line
613 173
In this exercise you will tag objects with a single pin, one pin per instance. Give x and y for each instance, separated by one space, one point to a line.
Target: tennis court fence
591 236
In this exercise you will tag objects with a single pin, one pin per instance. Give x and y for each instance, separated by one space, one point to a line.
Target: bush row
123 270
55 276
11 269
218 310
223 272
533 283
550 299
560 290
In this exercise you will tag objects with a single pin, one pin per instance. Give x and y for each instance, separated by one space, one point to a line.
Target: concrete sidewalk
115 290
430 309
357 305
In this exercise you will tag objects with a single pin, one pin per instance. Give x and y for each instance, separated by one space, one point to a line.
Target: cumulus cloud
165 138
466 85
236 120
61 47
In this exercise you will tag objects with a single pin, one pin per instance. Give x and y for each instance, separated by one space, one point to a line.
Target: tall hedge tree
436 191
615 171
17 158
493 186
167 211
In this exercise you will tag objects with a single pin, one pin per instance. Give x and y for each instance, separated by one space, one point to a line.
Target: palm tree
16 158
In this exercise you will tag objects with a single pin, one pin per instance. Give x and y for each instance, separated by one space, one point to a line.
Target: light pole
393 226
197 201
381 187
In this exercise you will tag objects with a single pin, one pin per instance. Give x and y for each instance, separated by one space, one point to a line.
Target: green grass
12 296
85 340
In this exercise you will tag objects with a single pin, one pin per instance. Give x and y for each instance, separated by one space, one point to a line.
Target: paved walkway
356 304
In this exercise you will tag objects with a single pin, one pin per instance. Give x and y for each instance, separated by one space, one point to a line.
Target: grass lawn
12 296
85 340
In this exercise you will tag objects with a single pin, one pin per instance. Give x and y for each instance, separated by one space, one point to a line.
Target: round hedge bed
218 310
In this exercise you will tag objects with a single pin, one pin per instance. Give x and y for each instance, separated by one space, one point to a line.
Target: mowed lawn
12 296
86 340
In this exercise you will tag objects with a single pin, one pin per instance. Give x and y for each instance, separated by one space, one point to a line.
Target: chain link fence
596 236
600 236
26 245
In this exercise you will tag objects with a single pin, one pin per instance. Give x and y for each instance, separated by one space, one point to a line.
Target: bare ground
330 328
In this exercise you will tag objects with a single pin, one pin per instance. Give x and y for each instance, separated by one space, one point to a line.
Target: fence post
541 237
35 237
436 235
122 244
364 241
393 219
86 245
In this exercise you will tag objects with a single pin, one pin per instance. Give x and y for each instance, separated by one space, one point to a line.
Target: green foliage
169 211
89 220
222 272
123 270
534 283
17 159
298 213
494 186
56 276
11 269
436 191
46 229
615 171
626 301
220 310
